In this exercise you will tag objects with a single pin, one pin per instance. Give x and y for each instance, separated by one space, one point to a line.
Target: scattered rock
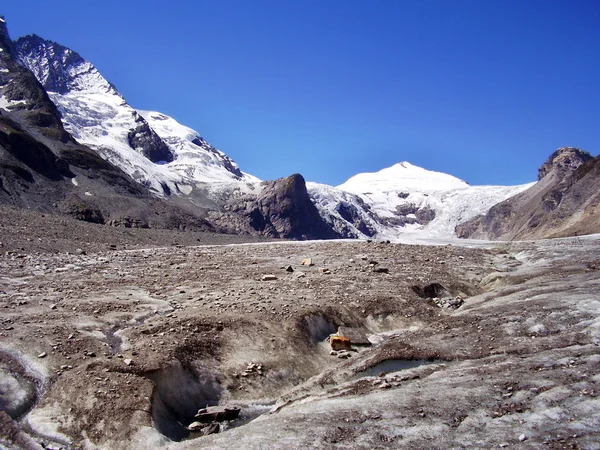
357 336
268 278
343 354
307 262
325 270
381 270
449 302
213 428
252 369
128 361
289 269
196 426
42 355
523 437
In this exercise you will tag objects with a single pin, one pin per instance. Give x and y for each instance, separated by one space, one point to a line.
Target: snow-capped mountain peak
405 198
59 69
401 176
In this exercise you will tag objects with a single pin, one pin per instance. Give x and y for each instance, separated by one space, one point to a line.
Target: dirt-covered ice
119 348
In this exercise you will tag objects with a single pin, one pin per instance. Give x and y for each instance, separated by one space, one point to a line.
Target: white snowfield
6 104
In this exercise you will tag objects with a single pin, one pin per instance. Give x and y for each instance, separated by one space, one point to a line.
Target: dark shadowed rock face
351 214
564 202
565 158
28 102
145 139
288 212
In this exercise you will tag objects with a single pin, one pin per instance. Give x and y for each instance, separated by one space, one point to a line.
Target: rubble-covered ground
115 338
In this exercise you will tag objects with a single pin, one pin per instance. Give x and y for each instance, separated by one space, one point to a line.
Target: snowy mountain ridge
169 159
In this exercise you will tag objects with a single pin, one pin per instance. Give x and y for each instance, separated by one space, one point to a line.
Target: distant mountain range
70 143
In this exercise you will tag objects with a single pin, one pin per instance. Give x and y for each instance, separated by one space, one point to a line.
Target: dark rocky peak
27 101
5 41
564 159
285 210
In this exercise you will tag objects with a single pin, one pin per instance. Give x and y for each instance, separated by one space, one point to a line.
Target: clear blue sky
483 90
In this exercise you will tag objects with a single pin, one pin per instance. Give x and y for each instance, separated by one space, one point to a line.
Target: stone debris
357 336
196 426
204 429
324 270
252 369
268 278
212 428
42 355
449 302
128 362
307 262
381 270
289 269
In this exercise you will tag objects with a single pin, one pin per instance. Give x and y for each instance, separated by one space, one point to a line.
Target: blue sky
484 90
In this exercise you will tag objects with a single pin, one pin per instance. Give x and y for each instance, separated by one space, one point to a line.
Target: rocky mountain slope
127 173
564 202
43 168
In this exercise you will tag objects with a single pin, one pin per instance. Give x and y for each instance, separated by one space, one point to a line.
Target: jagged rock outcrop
562 160
565 201
142 137
282 209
